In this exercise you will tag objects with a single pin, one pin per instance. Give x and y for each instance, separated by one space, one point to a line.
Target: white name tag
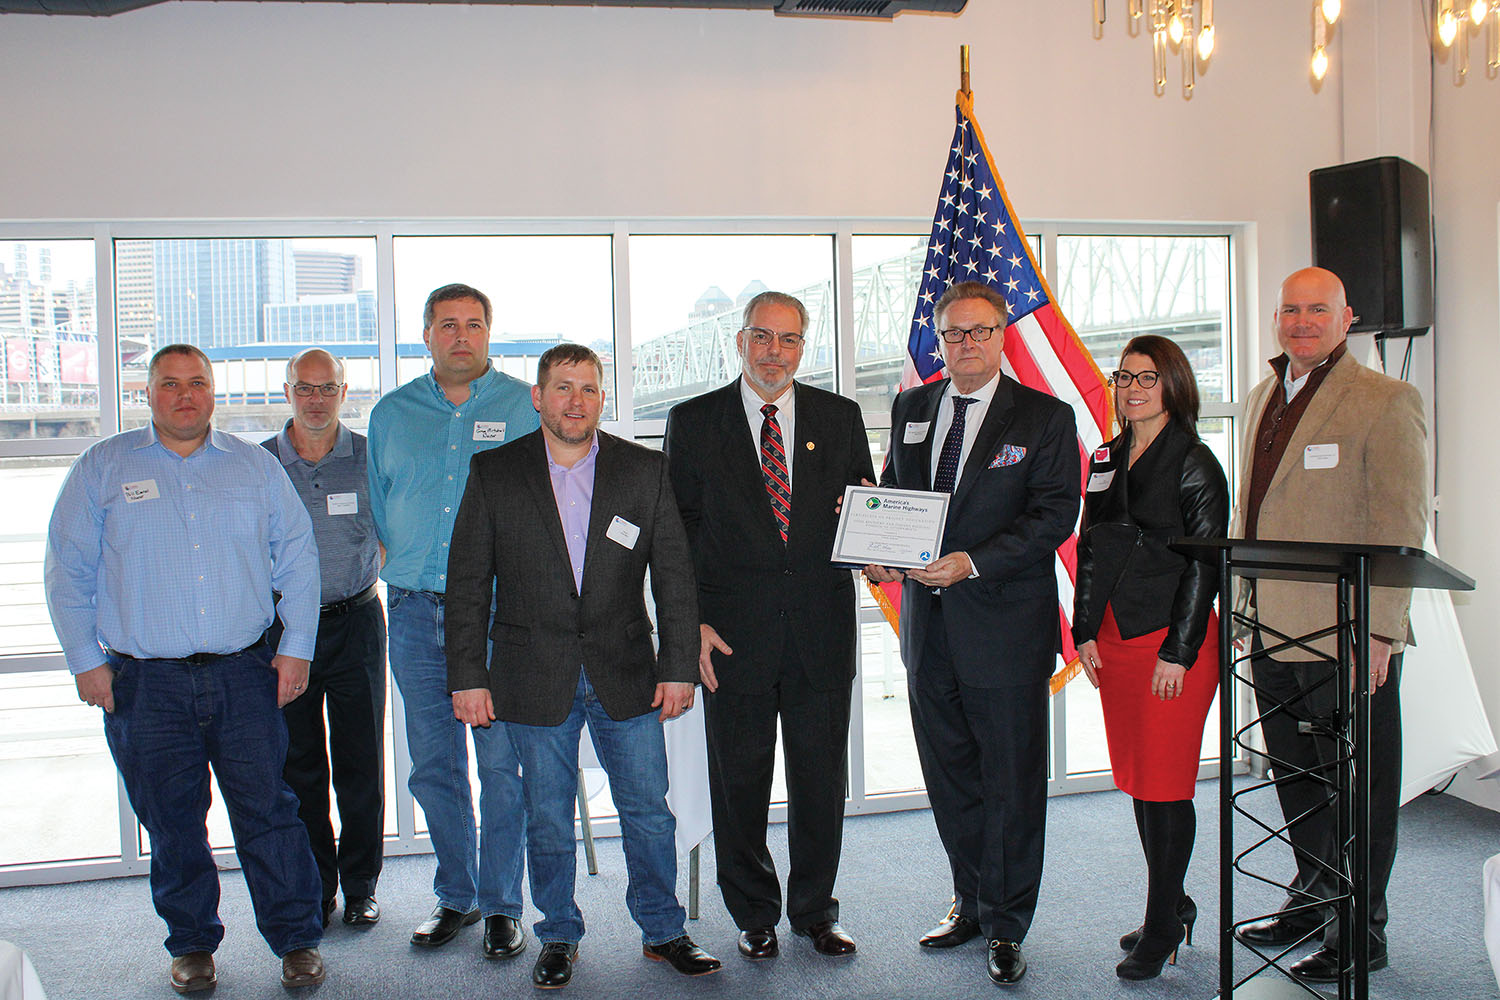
343 503
1320 456
1100 481
489 430
622 532
143 490
915 432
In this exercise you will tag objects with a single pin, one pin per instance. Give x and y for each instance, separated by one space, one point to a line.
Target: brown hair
566 354
452 293
1179 387
186 350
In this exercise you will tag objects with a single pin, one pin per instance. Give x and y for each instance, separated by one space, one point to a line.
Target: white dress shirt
973 417
786 419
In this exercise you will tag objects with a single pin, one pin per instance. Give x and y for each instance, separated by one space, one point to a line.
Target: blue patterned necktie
953 447
773 468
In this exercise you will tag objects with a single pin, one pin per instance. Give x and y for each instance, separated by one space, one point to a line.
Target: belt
197 659
348 604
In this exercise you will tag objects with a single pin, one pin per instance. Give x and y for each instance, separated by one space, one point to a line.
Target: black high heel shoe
1187 912
1146 959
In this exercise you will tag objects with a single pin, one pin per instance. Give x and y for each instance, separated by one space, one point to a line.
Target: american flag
976 237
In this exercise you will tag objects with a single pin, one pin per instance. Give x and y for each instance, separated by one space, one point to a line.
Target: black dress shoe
503 937
439 928
829 938
1323 965
1275 932
361 911
951 931
554 966
684 956
758 943
1006 965
329 905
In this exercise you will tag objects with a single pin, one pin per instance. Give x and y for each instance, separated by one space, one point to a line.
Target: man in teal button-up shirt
421 438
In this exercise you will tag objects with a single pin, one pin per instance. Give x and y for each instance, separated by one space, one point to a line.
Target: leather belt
196 659
348 604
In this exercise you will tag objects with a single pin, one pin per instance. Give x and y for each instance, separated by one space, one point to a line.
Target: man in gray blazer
558 529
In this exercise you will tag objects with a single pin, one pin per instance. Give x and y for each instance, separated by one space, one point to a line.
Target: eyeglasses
1146 379
329 389
761 337
980 334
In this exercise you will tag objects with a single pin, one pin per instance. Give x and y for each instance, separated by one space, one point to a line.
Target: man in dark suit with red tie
979 625
758 467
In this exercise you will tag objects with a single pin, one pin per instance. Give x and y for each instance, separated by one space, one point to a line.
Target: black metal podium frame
1353 569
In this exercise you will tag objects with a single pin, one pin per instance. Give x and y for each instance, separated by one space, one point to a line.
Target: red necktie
773 469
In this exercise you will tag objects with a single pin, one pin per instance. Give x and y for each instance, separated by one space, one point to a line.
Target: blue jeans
634 755
440 769
173 720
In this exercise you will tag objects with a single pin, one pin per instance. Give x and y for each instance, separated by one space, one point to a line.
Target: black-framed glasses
980 334
329 389
762 337
1123 378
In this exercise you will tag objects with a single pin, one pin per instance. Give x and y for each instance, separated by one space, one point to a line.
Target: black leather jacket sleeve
1204 497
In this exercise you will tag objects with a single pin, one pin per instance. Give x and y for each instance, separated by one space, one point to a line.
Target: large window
49 339
79 320
250 304
687 302
544 289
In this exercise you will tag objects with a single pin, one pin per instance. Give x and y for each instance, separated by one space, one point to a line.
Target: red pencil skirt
1153 744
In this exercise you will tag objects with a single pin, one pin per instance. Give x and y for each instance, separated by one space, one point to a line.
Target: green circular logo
872 502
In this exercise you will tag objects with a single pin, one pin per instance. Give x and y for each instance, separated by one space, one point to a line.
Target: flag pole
963 71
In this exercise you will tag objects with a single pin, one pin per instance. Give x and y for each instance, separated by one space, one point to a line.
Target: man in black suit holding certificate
979 625
758 467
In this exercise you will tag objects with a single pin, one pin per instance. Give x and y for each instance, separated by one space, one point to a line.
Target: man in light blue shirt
421 438
165 552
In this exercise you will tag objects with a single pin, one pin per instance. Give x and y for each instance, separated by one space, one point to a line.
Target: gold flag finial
963 70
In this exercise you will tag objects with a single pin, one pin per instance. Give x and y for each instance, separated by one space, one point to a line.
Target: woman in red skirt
1143 621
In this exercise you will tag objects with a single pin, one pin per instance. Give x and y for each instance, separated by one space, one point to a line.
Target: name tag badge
343 503
489 430
1320 456
143 490
915 432
1100 481
622 532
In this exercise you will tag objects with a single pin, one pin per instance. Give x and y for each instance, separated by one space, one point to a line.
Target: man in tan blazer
1334 452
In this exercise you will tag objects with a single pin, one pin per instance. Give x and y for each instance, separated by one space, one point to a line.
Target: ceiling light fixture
1183 27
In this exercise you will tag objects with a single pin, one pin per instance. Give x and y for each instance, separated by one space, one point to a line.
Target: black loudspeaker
1371 226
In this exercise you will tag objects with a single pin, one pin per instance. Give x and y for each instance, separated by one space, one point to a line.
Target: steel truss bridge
1112 288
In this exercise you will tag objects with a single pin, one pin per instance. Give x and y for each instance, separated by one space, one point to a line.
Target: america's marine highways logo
872 502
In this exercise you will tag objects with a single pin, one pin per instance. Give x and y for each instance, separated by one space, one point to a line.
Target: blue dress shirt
419 450
160 557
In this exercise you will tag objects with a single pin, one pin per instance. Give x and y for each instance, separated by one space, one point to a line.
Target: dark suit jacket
508 542
1015 502
750 585
1175 489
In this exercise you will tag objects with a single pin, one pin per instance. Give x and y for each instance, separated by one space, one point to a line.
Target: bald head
1312 318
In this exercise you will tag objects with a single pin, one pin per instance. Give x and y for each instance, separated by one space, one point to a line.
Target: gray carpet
101 939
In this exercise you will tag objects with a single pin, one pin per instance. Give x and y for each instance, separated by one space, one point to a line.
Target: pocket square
1009 455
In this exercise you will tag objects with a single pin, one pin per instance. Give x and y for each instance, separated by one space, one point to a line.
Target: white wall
239 110
1466 203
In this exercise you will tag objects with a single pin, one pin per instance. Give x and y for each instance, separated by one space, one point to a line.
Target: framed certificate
889 527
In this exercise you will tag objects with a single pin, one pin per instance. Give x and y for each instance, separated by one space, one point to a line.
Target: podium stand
1353 570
